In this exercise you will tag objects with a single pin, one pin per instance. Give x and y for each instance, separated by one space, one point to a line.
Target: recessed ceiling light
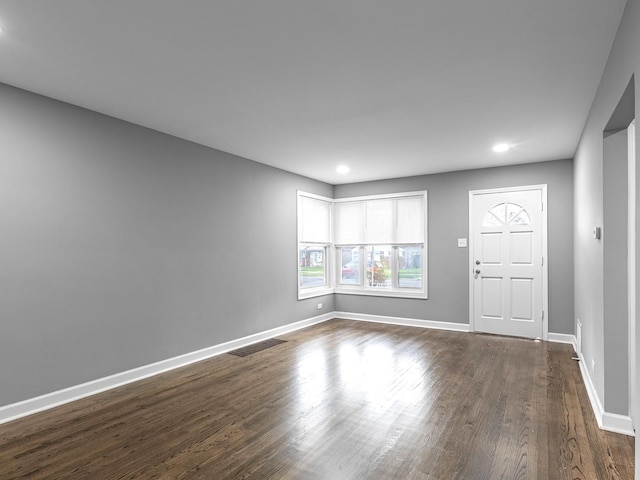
501 147
343 169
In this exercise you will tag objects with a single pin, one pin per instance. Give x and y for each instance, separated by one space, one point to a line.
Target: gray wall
448 282
121 246
623 61
614 245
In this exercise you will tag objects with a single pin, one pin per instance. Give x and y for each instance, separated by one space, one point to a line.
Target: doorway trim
545 265
633 410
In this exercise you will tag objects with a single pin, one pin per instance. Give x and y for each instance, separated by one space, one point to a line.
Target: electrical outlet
319 306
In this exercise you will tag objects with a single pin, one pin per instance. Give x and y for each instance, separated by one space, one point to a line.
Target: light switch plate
462 243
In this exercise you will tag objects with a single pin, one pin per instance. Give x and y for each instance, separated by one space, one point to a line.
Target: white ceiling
391 88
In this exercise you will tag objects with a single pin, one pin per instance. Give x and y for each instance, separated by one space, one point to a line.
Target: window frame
395 290
327 287
326 254
333 252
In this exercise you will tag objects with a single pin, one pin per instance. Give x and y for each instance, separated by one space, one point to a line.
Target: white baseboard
564 338
606 421
76 392
408 322
611 422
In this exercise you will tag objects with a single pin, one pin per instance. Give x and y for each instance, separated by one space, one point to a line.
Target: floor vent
256 347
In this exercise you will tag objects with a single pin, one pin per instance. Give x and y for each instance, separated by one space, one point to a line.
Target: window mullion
362 261
394 267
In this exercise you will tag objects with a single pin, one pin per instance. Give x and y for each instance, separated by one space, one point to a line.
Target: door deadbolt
477 262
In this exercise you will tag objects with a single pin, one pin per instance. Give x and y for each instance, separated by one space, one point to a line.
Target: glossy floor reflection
340 400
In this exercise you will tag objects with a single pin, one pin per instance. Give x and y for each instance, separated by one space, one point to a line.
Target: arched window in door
506 214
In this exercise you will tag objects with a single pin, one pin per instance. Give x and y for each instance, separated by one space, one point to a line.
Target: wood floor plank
339 400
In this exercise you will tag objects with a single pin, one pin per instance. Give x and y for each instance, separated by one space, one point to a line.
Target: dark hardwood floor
340 400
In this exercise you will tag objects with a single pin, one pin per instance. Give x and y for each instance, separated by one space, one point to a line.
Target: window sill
314 292
381 293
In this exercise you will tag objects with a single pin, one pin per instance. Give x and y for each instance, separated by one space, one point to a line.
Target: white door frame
631 272
545 256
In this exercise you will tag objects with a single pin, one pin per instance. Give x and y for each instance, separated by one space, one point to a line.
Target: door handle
477 271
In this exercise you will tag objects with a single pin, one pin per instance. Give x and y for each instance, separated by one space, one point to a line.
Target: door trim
545 266
631 272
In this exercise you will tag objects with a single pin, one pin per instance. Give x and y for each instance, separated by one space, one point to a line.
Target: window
379 243
506 213
349 273
372 245
314 240
410 267
312 266
378 263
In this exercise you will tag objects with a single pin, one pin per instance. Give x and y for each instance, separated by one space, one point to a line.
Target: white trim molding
30 406
611 422
564 338
631 275
407 322
60 397
606 421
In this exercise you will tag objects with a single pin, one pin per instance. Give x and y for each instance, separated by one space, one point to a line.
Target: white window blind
349 226
409 220
379 222
367 245
314 220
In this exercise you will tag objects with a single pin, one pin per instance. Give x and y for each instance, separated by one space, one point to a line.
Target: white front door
508 235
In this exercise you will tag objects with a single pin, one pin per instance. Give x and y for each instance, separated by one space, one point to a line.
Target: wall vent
256 347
